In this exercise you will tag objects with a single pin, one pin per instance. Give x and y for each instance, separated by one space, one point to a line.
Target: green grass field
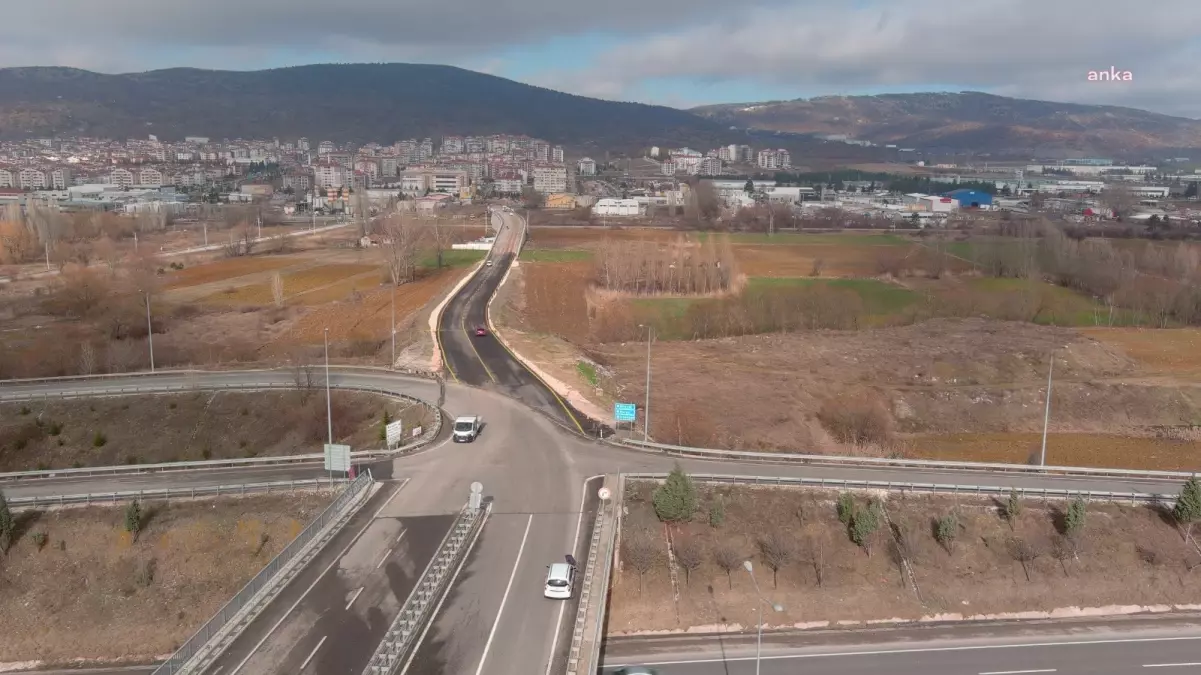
453 257
554 255
879 298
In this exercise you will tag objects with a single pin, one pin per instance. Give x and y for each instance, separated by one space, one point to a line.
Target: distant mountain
970 122
353 102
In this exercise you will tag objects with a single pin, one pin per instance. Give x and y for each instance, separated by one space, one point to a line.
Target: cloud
1020 47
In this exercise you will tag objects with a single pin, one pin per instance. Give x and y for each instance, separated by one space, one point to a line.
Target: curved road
495 619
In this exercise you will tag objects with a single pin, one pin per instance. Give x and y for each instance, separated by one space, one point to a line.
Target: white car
560 580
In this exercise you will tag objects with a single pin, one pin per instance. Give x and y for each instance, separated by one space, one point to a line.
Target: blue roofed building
969 199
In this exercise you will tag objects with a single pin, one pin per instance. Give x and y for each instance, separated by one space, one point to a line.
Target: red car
480 331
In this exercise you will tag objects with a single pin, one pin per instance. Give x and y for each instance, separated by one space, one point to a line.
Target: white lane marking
504 598
1170 665
920 650
313 653
304 595
385 504
575 544
1018 672
383 559
354 597
402 535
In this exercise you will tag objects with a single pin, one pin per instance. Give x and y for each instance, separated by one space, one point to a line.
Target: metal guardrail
938 488
200 640
395 650
594 591
838 460
173 493
427 435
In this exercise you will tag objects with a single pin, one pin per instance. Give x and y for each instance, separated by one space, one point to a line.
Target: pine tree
675 500
133 518
1013 508
1188 505
8 525
1073 522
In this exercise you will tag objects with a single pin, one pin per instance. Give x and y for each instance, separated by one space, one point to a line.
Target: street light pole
746 565
646 417
1042 457
329 408
149 332
393 292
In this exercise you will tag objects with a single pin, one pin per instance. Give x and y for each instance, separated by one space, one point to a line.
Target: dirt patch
295 284
57 434
1123 556
92 592
1174 351
1170 450
224 270
549 298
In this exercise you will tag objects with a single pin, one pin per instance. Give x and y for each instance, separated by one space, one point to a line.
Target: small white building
616 207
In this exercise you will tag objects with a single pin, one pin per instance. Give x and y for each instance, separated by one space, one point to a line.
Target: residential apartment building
452 145
298 181
325 147
8 178
668 167
709 166
556 154
508 184
61 178
121 177
369 168
451 182
329 175
774 159
150 176
30 178
550 178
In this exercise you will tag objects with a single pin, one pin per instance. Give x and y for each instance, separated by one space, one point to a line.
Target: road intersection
533 468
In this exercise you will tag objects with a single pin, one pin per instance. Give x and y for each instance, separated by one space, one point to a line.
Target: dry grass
224 270
1182 453
1174 351
980 577
295 284
85 594
56 434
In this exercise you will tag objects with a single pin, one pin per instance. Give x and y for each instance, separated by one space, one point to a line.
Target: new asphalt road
495 619
1163 645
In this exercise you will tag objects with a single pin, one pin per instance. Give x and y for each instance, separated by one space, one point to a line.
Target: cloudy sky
673 52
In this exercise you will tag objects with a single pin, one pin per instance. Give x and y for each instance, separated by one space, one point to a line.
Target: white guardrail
426 436
839 460
899 486
176 493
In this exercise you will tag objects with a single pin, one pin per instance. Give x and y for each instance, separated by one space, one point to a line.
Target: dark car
480 331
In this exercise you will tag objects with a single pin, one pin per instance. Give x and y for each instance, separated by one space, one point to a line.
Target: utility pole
47 256
206 233
1042 457
392 291
149 331
646 417
329 408
135 241
746 565
260 223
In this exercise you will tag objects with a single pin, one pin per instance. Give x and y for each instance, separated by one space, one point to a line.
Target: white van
560 579
466 429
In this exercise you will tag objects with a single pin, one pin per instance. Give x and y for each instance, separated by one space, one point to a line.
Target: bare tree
688 555
107 252
1023 552
302 370
87 358
277 289
777 551
402 240
728 559
641 550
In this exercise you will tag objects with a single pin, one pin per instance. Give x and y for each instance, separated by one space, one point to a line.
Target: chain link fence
199 641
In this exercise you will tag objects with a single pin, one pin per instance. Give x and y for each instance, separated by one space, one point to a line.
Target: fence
979 490
409 626
200 640
836 460
173 493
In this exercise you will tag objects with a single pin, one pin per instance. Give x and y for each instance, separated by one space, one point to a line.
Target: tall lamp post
392 290
646 421
746 565
149 331
1042 455
329 415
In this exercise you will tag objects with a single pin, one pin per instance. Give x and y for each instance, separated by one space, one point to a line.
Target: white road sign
337 457
604 494
394 432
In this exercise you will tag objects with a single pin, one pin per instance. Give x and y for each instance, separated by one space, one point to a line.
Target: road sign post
624 412
393 432
337 457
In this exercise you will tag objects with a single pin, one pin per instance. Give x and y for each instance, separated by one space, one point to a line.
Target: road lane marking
919 650
354 597
383 559
390 498
402 535
1170 665
504 598
1018 672
313 653
303 595
575 544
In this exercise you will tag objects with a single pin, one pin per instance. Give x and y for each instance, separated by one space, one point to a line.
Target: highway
1109 647
535 472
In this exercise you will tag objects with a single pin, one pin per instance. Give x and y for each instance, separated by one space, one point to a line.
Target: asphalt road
1114 647
330 618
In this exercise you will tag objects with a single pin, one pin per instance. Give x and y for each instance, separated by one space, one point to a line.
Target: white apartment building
121 178
369 168
550 178
426 149
150 176
474 144
302 144
452 145
668 167
299 182
30 178
448 181
586 167
540 152
509 184
60 178
329 174
8 178
556 154
325 147
774 159
709 166
389 166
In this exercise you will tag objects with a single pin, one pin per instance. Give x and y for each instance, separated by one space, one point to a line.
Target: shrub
131 459
846 508
99 440
133 518
945 531
717 512
24 410
675 500
40 539
56 428
8 525
858 419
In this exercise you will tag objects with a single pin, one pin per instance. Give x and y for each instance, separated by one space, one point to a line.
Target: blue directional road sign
625 412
